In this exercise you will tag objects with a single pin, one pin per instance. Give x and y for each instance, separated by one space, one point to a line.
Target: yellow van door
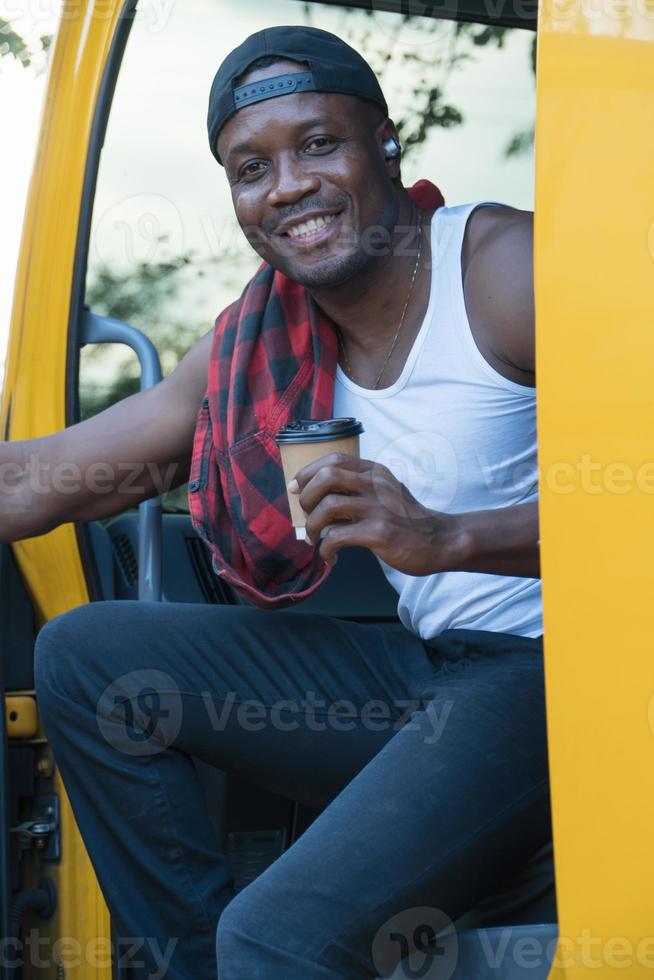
595 355
38 398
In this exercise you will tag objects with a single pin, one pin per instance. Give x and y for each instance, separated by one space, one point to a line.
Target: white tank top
461 437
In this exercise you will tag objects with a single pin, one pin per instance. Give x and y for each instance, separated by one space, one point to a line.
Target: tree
444 47
523 140
13 45
144 297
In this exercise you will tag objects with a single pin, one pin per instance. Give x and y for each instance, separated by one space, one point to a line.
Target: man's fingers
359 534
331 479
342 460
333 508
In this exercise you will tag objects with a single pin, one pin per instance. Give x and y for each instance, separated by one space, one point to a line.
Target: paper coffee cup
307 439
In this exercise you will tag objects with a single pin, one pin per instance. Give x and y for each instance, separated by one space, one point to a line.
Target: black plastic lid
313 430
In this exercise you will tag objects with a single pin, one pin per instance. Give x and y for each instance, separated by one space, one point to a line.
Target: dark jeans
428 761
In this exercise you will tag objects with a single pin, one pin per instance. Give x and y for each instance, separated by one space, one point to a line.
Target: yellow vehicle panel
34 405
595 353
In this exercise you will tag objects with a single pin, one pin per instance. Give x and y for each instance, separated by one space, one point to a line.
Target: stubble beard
333 271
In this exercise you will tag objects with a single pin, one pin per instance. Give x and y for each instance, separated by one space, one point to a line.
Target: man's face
308 178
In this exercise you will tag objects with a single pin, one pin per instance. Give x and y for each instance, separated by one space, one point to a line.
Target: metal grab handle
103 330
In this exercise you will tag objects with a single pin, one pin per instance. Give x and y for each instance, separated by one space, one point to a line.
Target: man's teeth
307 227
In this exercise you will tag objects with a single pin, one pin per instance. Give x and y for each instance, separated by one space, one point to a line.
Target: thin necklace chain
400 324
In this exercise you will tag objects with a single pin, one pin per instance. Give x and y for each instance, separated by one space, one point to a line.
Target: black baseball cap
332 66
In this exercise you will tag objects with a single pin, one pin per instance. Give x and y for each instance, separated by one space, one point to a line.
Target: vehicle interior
153 553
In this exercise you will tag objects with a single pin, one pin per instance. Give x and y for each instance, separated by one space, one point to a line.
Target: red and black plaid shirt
273 359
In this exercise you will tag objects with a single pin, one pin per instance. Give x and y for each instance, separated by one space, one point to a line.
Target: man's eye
320 143
251 169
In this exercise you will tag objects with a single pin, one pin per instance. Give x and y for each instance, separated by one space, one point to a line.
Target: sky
156 172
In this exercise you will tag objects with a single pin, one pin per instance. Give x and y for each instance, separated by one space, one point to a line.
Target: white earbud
392 149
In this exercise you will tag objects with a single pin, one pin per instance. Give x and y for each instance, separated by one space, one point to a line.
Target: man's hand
357 502
354 501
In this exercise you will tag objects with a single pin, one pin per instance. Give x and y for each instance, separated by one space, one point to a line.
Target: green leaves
13 44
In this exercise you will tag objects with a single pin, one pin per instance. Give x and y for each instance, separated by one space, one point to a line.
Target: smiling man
375 301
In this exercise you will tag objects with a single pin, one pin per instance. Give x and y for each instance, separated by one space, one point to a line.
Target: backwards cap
332 66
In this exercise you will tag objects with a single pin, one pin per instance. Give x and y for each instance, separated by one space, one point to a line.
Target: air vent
213 589
126 558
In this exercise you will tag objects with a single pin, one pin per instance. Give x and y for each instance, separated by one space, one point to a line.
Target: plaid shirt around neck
273 359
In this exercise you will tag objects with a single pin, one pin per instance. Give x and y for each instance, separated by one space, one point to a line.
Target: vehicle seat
510 935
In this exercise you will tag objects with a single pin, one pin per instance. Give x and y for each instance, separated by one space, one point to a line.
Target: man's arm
498 282
503 541
132 451
498 259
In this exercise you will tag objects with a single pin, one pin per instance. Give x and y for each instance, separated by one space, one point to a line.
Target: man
433 312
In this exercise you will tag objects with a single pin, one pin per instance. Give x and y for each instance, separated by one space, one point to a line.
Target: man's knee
287 932
233 929
68 647
245 928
